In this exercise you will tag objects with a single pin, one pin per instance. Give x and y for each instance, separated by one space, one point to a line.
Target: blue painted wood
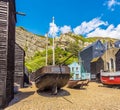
78 71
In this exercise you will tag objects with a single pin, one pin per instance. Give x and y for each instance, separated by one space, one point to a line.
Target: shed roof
94 43
95 59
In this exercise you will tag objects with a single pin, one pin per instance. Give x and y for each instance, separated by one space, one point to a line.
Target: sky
89 18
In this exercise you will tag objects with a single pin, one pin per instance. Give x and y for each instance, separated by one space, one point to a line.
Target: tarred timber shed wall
7 46
19 65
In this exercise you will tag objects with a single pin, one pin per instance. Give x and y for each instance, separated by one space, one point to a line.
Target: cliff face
29 41
32 43
65 39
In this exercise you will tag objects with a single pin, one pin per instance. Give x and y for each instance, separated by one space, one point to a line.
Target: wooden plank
1 88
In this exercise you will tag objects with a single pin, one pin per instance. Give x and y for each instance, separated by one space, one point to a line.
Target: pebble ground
95 96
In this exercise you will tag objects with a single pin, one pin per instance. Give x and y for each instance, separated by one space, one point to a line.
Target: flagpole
46 35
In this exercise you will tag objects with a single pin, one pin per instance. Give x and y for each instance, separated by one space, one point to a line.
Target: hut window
112 63
72 68
76 68
108 67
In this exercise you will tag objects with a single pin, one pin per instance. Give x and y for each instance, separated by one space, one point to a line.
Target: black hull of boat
48 81
52 77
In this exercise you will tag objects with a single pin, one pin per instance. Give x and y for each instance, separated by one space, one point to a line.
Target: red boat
110 78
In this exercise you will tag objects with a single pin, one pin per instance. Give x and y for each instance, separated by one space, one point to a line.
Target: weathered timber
19 65
52 77
7 48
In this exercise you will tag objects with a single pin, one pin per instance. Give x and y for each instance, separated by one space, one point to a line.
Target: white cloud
111 4
53 30
65 29
87 27
111 31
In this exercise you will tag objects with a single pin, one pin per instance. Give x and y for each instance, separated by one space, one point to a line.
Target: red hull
110 80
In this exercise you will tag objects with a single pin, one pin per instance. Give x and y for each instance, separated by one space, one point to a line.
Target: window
72 68
76 68
108 67
112 63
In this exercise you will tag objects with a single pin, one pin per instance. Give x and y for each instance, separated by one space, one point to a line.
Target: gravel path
92 97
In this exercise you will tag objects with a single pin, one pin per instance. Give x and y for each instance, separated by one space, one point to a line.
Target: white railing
117 73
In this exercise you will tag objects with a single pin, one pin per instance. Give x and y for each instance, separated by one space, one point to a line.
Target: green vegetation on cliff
39 59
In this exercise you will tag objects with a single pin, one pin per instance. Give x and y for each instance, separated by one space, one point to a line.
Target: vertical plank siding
7 46
3 50
19 65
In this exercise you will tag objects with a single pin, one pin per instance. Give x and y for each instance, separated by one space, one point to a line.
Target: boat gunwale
110 74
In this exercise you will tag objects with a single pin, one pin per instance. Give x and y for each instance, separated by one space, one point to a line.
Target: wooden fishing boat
52 77
110 78
77 83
